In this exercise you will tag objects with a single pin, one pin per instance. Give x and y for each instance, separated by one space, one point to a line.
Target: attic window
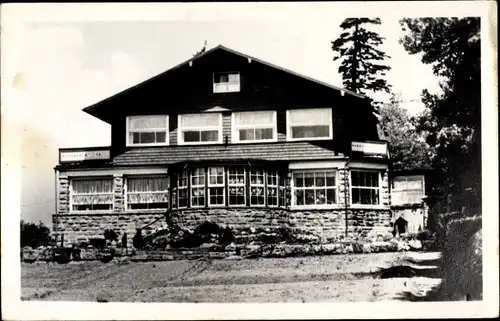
226 82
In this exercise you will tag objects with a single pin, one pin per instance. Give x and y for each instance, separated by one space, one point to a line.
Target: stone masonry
325 223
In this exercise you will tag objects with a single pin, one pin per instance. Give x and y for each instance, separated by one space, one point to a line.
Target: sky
65 66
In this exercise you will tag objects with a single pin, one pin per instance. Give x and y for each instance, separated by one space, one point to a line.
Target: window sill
149 210
274 140
289 139
369 207
103 212
179 143
148 145
315 207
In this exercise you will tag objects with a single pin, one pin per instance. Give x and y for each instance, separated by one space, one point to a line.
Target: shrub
226 237
34 235
207 230
425 235
138 240
110 235
98 243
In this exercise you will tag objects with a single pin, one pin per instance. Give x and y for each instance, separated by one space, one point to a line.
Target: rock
233 258
415 245
367 248
348 249
209 246
328 248
29 255
230 247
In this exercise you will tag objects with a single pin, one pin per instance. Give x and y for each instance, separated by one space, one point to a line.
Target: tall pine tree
357 47
453 118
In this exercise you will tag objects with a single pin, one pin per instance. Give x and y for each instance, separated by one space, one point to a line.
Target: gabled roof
89 109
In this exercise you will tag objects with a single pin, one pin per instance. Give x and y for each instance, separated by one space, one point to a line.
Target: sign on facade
370 148
78 156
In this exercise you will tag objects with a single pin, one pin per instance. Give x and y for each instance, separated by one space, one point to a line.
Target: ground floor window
216 186
147 192
237 186
365 187
91 194
182 189
198 187
314 188
257 185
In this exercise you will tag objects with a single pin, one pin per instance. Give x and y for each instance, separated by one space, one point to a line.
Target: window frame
235 137
263 185
199 186
276 186
126 192
186 187
214 86
379 172
128 143
289 125
180 129
71 194
293 188
244 185
216 185
421 178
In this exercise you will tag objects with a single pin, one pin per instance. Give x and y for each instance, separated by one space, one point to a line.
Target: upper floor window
147 192
254 126
226 82
407 189
308 124
200 128
365 187
147 130
91 194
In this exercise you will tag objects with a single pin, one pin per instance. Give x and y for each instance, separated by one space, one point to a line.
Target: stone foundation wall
81 227
235 218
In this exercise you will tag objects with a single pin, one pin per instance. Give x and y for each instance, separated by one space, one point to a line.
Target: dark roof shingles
267 152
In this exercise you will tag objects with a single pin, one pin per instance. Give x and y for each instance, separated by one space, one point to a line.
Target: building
408 201
235 140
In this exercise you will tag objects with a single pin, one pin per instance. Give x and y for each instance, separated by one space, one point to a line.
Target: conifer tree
357 48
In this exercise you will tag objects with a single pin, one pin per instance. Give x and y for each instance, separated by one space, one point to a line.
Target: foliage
124 240
226 236
138 240
34 235
110 235
357 47
98 243
408 147
451 119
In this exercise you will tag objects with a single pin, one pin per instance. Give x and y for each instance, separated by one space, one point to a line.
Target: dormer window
147 130
226 82
200 128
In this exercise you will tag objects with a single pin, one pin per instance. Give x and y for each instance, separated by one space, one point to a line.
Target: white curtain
147 122
255 118
315 116
200 120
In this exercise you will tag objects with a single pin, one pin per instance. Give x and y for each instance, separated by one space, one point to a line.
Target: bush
207 231
138 240
110 235
98 243
34 235
425 235
226 237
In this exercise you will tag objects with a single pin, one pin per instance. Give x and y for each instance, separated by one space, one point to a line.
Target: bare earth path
355 277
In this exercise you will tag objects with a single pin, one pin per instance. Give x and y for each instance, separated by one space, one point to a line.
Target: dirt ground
355 277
